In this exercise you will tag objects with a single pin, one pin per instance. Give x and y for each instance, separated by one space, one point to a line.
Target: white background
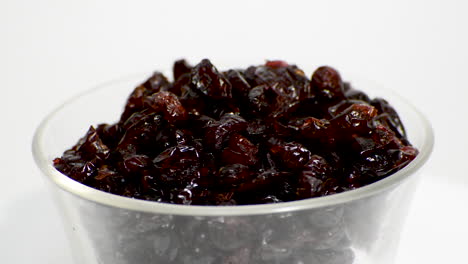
51 50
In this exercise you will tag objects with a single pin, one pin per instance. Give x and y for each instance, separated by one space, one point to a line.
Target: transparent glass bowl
360 226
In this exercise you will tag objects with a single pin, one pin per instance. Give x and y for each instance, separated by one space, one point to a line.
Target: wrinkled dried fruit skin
310 127
326 83
207 80
233 175
168 104
92 146
180 68
135 164
240 151
177 164
217 132
391 117
109 134
135 102
240 87
265 134
355 119
292 155
156 83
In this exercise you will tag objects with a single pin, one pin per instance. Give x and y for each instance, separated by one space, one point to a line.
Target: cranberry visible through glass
264 134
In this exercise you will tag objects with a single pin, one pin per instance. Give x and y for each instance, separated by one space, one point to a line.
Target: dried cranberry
316 171
135 164
300 82
266 134
393 120
217 132
405 155
180 68
292 155
326 83
178 165
262 181
240 87
168 104
355 118
276 64
207 80
91 146
192 101
310 127
141 128
134 102
258 101
109 134
240 150
260 75
156 83
233 174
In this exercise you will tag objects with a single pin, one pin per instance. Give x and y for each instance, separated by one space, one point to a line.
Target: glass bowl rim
112 200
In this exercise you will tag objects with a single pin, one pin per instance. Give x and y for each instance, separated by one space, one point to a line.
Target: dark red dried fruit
326 82
266 134
309 186
135 102
240 87
180 68
316 171
139 129
135 164
217 132
240 151
355 119
207 80
262 181
233 174
168 104
390 116
405 155
276 64
292 155
179 164
91 146
310 127
156 83
258 101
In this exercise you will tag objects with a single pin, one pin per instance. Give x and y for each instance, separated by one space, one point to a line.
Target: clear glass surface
360 226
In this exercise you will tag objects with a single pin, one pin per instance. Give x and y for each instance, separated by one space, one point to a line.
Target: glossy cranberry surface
264 134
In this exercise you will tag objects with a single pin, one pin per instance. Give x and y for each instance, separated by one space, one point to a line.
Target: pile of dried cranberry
265 134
